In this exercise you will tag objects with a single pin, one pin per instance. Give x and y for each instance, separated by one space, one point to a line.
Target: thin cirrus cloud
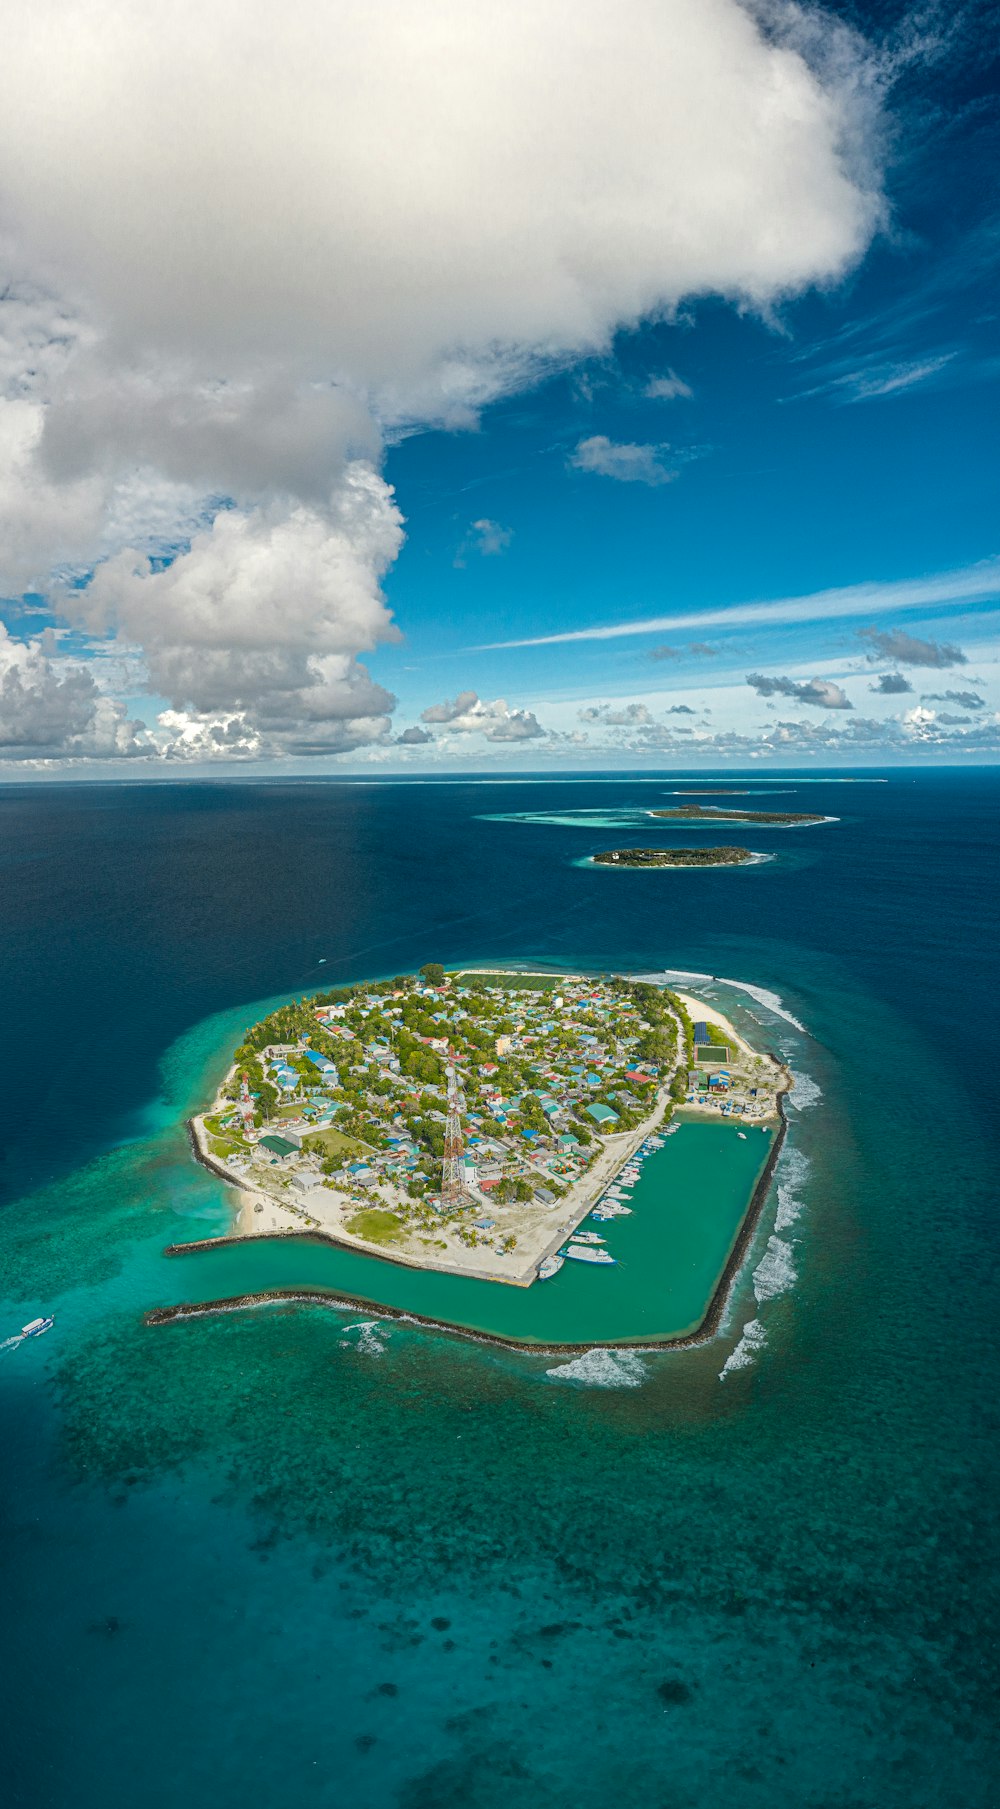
969 584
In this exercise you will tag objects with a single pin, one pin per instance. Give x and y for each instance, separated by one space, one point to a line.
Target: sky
440 387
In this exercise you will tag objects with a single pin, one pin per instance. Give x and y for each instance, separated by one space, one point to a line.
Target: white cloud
485 537
969 584
265 613
668 388
629 463
469 714
52 709
248 238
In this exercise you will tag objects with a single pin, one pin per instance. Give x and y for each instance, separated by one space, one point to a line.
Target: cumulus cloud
909 650
615 715
486 538
969 700
680 710
891 684
265 612
249 239
629 463
668 388
52 709
469 714
414 736
819 691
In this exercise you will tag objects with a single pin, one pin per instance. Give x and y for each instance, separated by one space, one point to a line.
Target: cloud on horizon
910 650
821 692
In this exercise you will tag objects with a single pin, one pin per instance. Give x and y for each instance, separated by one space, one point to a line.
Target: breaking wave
793 1170
805 1092
753 1339
776 1272
602 1369
372 1337
771 1001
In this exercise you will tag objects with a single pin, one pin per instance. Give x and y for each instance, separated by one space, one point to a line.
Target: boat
742 1134
35 1327
587 1237
549 1266
585 1253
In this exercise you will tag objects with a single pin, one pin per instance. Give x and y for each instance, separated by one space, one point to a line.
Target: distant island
701 813
673 857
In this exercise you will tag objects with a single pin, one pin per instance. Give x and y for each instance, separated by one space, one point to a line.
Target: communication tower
454 1194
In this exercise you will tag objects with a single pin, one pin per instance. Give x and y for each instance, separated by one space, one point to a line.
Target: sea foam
805 1092
775 1273
602 1369
753 1339
793 1171
372 1337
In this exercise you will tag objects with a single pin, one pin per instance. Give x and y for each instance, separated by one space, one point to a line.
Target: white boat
585 1253
742 1134
35 1327
549 1266
587 1237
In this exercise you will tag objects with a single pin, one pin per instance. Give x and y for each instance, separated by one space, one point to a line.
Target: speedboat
742 1134
35 1327
585 1253
587 1237
549 1266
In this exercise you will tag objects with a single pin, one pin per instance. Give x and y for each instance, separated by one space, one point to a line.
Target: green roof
280 1146
602 1114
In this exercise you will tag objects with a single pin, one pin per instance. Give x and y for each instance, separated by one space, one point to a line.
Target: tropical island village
469 1121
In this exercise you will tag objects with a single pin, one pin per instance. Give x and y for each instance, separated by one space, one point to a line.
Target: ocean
315 1556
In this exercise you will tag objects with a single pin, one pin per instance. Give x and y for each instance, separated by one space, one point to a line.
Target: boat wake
12 1343
602 1369
754 1337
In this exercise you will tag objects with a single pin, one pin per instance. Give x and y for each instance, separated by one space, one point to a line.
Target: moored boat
585 1253
549 1266
586 1237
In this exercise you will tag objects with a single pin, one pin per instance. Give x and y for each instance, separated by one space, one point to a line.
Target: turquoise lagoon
688 1206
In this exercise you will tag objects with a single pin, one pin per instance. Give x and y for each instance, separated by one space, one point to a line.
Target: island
706 813
469 1121
674 857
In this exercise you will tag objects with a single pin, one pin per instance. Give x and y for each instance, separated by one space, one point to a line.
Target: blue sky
815 434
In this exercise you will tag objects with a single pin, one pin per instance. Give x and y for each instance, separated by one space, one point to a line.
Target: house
601 1114
322 1064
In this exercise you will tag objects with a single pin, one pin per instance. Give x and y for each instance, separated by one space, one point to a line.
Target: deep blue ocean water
282 1557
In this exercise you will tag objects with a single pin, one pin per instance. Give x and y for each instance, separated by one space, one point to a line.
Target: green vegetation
376 1226
673 857
699 813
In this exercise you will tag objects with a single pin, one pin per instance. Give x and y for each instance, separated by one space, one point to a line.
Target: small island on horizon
674 857
705 813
